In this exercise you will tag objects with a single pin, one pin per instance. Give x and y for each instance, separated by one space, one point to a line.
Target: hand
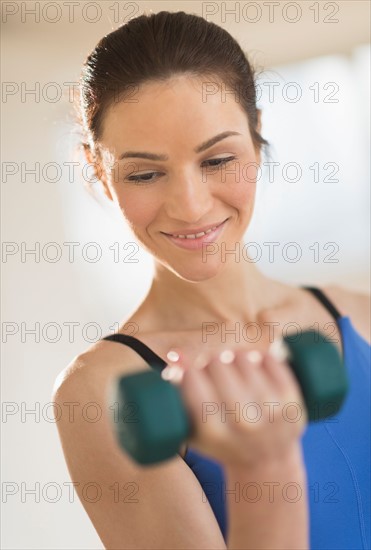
246 407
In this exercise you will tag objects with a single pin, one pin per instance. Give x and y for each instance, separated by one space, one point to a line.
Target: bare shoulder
93 456
355 305
97 365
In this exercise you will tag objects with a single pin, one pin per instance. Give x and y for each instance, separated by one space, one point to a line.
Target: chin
196 274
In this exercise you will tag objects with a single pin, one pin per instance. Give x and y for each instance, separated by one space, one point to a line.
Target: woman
178 152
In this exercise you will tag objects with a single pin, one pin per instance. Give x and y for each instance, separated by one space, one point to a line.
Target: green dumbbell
152 421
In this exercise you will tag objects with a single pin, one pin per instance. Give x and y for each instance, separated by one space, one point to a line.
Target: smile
194 241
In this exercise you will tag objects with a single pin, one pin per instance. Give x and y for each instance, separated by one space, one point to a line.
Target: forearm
269 508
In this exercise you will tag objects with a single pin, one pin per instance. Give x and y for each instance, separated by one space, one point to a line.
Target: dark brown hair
156 47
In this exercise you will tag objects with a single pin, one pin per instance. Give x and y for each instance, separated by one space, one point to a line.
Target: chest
245 335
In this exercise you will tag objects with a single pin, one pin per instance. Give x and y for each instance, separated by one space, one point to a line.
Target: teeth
195 235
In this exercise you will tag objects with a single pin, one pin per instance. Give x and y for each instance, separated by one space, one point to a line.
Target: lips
193 243
195 233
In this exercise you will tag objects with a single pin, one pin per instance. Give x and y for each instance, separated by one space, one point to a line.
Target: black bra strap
325 301
144 351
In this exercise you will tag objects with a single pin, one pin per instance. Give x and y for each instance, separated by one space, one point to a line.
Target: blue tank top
336 452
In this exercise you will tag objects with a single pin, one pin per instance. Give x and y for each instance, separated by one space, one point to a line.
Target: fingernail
254 356
173 373
278 350
172 356
226 356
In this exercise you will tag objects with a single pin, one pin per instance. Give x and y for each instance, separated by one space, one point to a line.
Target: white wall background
44 294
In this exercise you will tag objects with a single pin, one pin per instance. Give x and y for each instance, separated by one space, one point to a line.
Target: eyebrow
199 149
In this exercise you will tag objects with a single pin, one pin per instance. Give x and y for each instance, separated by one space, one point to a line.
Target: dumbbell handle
153 422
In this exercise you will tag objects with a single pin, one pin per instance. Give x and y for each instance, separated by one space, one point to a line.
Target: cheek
138 207
241 185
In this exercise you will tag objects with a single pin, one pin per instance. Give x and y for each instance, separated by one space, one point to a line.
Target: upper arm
130 507
355 305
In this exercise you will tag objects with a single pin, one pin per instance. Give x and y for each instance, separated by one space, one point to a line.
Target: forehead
184 108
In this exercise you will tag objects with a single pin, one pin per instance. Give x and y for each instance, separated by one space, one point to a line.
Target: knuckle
248 358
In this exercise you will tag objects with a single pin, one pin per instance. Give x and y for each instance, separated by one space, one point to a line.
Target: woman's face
183 189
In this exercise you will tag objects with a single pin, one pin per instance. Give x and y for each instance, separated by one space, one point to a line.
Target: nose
188 198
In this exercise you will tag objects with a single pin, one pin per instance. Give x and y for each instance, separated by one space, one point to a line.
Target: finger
200 397
173 373
228 382
180 360
175 355
250 364
177 362
196 358
280 372
276 365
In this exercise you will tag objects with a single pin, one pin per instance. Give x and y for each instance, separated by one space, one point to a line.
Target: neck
239 292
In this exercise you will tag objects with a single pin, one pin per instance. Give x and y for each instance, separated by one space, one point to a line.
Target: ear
98 169
106 189
101 174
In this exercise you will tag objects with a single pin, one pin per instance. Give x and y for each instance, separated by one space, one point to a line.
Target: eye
145 178
151 176
216 163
